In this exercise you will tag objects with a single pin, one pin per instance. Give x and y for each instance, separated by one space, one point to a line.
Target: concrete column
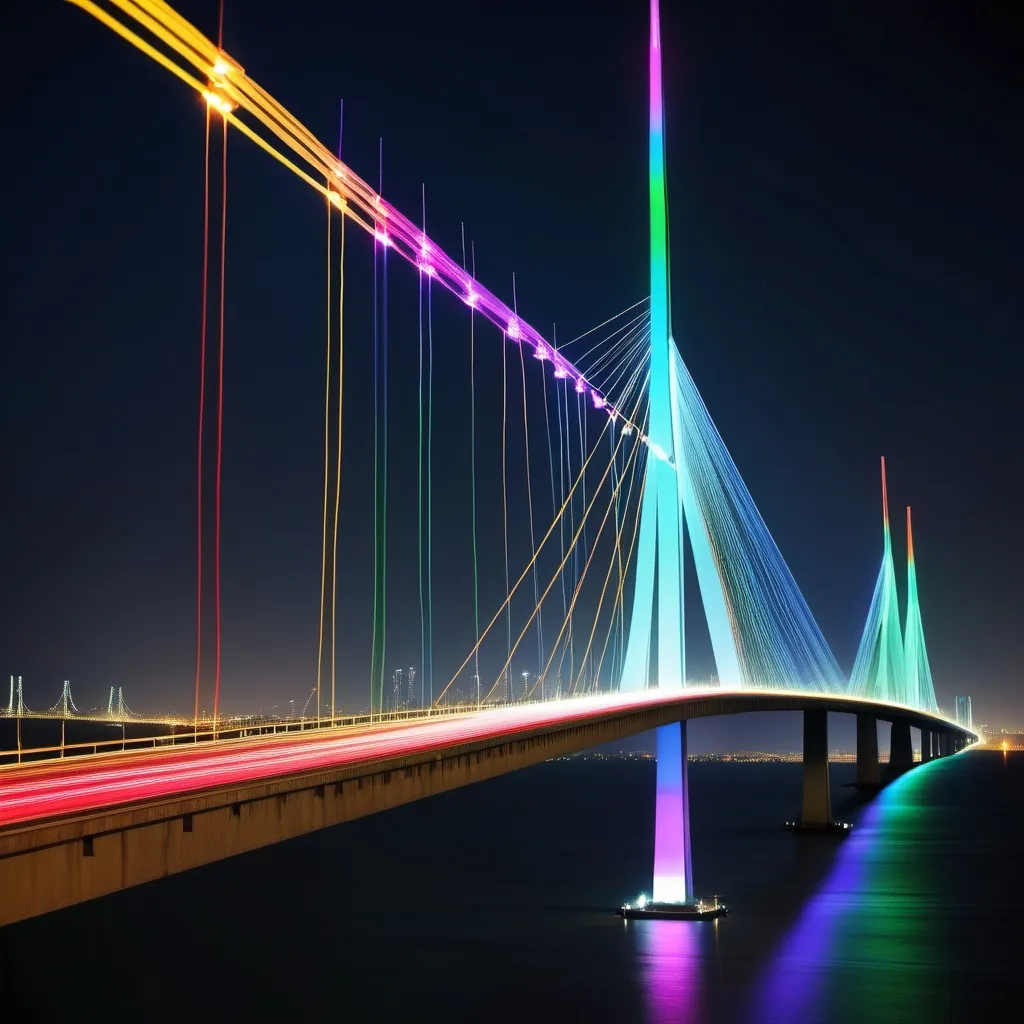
926 746
673 866
867 751
901 751
817 802
944 746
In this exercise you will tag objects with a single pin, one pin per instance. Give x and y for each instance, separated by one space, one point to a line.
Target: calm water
492 904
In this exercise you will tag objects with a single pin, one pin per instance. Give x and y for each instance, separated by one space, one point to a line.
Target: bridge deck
46 790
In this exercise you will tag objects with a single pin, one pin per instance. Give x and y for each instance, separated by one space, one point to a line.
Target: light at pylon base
704 909
670 889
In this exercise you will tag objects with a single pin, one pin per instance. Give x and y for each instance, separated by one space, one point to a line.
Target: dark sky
846 221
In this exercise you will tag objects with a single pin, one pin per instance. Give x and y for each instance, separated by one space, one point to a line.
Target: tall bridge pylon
66 705
660 567
116 707
917 673
879 668
16 701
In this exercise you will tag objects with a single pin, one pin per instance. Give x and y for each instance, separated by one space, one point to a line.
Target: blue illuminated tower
667 494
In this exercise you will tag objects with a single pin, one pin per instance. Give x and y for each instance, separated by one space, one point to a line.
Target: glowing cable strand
561 490
504 505
572 527
429 666
529 510
583 444
375 668
384 474
220 421
752 559
605 323
621 349
419 482
202 405
472 457
327 469
551 459
577 590
616 550
337 466
572 546
585 359
637 355
526 572
619 604
619 592
598 363
638 373
634 392
241 88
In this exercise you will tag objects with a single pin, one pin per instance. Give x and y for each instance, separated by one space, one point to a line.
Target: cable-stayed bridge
634 485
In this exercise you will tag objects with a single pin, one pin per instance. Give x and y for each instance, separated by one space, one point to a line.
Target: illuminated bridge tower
879 670
659 565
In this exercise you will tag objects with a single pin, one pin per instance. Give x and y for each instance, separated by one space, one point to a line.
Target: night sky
846 222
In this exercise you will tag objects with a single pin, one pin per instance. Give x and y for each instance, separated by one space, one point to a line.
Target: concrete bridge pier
868 773
816 809
926 746
901 750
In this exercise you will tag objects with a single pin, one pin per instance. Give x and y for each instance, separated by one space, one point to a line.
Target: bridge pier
926 746
673 867
901 750
816 809
868 772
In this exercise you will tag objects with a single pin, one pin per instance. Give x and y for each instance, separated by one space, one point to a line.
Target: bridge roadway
74 829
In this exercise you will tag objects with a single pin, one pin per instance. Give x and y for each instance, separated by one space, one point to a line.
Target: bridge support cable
499 614
472 478
878 671
233 93
380 467
421 495
633 392
577 674
220 420
202 403
760 623
327 465
621 352
615 560
573 547
529 503
337 468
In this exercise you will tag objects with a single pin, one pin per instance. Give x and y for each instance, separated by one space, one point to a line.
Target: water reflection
866 919
669 957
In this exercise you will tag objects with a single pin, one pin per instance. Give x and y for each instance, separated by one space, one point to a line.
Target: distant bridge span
76 829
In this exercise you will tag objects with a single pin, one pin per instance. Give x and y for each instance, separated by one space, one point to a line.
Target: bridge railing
228 729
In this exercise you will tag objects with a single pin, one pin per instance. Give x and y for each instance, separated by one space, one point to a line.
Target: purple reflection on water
669 959
791 989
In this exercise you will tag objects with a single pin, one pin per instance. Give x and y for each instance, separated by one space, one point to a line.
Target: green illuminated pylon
668 490
918 674
878 671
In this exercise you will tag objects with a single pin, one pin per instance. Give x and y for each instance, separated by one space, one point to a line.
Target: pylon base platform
702 910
